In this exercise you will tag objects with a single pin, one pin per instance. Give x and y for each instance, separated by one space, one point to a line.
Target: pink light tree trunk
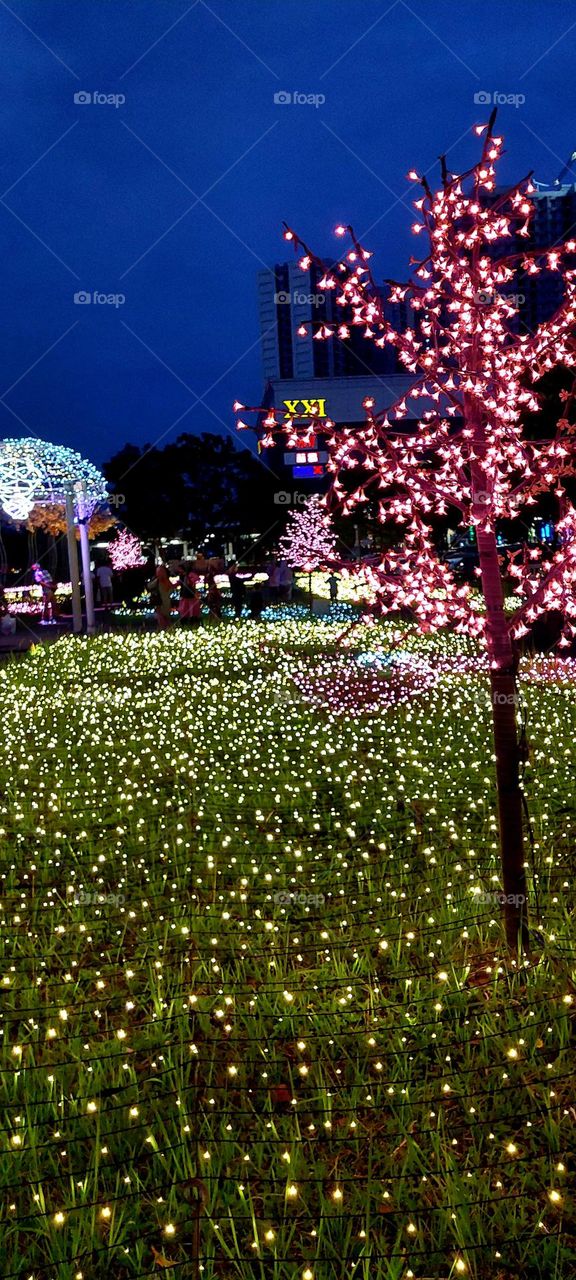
503 665
503 661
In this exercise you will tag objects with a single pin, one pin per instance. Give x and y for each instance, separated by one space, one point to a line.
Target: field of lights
258 1022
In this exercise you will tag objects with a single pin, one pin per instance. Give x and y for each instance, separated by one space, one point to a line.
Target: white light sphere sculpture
38 473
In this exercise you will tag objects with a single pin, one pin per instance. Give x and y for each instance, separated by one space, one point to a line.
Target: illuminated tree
308 542
51 517
469 455
126 551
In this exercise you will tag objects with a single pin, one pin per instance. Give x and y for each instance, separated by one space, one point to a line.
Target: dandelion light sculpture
39 473
56 488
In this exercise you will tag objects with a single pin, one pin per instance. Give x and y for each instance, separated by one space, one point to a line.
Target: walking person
267 569
333 585
195 608
273 581
256 601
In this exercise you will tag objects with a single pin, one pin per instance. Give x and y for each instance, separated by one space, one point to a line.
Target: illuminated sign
307 472
307 455
310 408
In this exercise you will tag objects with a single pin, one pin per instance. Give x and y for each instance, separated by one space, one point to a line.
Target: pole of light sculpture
73 563
83 517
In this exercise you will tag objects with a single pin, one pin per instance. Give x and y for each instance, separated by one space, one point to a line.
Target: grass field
248 938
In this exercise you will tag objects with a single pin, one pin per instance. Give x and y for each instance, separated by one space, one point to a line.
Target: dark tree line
195 485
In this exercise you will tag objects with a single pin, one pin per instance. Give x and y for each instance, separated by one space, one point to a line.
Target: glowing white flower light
19 479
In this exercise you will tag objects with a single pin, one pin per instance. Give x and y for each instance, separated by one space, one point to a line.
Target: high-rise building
553 222
290 298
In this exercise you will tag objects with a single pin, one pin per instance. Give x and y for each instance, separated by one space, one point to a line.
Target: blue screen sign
307 472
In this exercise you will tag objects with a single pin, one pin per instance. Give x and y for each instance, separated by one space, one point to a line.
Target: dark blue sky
175 198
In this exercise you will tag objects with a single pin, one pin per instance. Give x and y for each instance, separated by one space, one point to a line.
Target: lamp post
73 563
83 518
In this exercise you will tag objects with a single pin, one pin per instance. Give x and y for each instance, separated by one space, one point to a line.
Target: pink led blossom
126 551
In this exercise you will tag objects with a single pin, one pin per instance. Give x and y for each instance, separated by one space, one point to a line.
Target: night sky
175 197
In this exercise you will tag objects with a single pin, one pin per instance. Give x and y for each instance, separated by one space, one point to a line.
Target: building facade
333 375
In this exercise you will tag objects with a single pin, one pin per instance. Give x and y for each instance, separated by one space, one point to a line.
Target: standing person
333 585
237 590
214 599
267 568
285 580
256 601
195 607
273 581
160 588
104 578
7 622
44 579
189 604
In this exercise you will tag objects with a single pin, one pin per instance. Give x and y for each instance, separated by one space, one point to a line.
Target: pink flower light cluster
308 542
126 551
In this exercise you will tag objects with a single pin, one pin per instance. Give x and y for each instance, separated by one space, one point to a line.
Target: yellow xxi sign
310 408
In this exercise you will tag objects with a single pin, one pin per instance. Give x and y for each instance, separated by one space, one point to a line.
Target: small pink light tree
126 551
469 454
309 541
